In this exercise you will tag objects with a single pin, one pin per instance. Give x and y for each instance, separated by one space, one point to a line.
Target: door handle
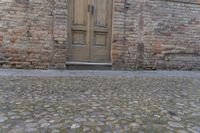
92 10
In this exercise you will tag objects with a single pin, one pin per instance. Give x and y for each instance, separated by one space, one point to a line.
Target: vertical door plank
79 33
101 22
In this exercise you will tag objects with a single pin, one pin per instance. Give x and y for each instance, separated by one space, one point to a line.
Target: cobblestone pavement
99 104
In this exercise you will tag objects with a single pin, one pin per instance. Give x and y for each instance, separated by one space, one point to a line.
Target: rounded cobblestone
99 104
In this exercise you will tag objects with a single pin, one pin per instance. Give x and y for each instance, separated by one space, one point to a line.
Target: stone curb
89 73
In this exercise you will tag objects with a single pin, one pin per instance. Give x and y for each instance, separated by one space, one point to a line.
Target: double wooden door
90 31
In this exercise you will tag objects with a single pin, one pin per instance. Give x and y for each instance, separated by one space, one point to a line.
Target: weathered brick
147 34
1 40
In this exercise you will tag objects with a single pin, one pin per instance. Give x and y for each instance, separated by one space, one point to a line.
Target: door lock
91 9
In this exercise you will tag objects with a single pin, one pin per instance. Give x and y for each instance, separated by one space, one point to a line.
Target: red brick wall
147 34
27 35
156 34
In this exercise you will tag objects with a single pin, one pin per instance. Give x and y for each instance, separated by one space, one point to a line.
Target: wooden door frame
111 40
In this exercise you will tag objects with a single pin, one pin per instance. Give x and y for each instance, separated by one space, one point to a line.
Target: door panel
101 31
100 13
90 31
79 14
78 38
78 50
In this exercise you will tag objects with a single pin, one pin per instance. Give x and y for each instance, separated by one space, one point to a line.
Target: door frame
111 40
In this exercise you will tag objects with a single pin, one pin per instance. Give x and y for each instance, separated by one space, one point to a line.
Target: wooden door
90 31
79 32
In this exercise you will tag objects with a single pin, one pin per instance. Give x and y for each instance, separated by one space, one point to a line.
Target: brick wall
147 34
13 33
28 35
172 32
156 34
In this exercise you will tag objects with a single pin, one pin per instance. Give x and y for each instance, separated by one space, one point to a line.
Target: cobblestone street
100 104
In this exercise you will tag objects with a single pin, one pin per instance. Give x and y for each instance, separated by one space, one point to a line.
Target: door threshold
88 66
88 63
